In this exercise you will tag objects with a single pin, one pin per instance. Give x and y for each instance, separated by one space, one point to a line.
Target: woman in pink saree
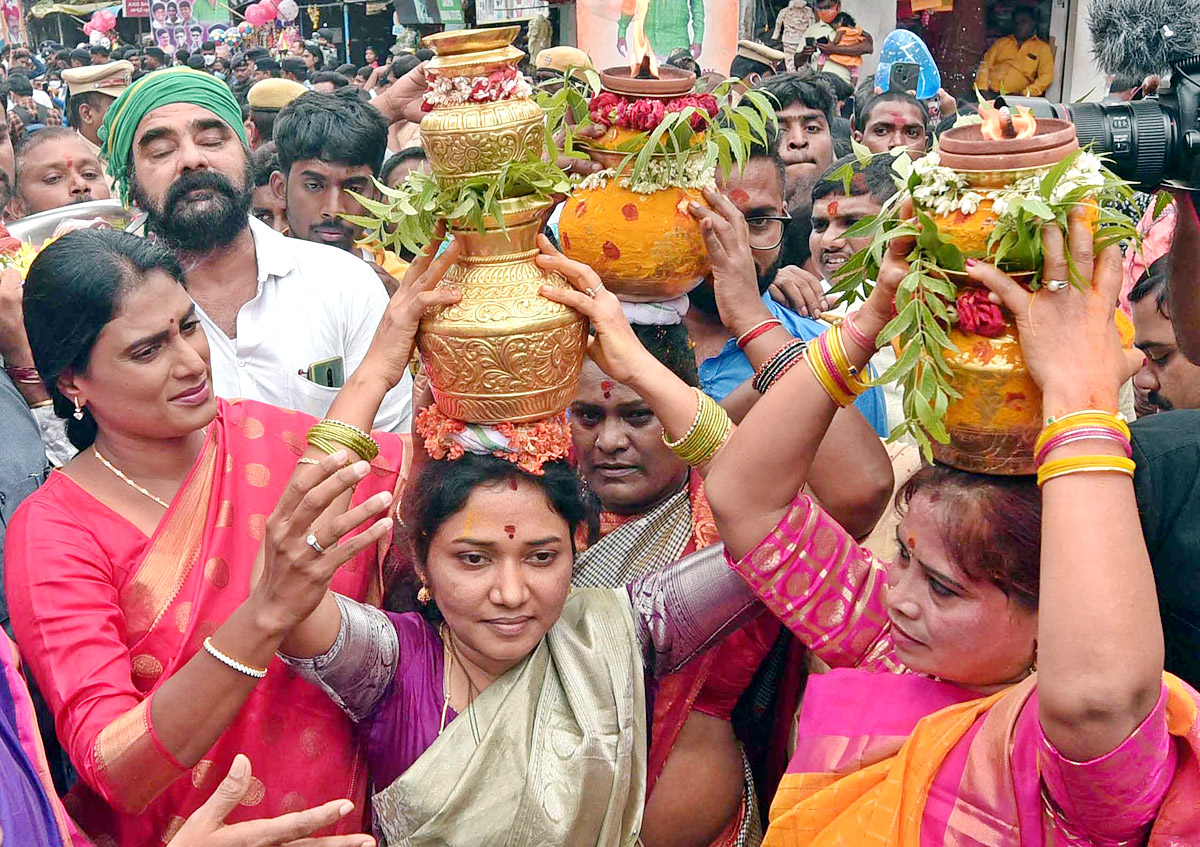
1000 683
132 571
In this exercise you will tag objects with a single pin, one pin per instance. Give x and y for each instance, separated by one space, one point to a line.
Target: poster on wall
184 24
706 28
135 9
498 11
428 12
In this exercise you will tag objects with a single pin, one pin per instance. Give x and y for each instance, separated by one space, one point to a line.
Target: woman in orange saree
135 597
1001 682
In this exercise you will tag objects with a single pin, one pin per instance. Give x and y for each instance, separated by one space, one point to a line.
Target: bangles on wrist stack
778 364
330 435
24 376
830 365
709 431
1087 425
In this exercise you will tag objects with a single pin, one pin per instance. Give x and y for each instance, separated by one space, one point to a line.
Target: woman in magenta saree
115 605
1000 683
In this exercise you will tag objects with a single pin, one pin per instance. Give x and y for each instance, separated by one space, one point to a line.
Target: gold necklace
129 481
451 656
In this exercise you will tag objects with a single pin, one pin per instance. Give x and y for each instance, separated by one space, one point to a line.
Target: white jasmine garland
942 191
657 178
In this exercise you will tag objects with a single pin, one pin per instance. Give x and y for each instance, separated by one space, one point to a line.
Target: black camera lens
1139 139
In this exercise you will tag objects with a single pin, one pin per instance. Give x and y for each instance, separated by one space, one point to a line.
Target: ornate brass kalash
504 352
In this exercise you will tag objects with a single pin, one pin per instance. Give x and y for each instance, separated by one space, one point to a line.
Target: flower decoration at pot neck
979 315
527 445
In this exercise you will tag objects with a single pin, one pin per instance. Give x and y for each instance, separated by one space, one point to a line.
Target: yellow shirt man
1020 63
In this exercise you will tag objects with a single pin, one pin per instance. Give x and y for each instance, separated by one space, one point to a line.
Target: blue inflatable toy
904 46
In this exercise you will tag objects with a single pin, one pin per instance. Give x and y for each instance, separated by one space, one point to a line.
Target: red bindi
833 207
512 483
511 530
606 386
739 195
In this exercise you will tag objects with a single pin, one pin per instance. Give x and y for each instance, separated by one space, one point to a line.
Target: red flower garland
530 444
643 115
979 315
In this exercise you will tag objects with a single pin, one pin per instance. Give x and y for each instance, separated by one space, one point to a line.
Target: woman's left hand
614 348
391 348
1069 336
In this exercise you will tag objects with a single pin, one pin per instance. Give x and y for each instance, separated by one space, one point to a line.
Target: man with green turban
287 320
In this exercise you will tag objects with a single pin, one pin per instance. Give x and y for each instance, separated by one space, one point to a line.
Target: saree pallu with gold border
195 570
553 752
939 766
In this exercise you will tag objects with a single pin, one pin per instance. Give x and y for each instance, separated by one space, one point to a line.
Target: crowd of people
251 598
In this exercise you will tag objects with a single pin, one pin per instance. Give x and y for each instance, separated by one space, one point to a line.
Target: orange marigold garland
527 445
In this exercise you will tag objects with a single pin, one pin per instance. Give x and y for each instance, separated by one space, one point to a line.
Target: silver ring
591 292
1056 284
312 542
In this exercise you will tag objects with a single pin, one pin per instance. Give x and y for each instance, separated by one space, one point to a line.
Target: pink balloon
103 21
271 6
256 14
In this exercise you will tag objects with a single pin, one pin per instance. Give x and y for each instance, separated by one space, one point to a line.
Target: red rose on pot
603 106
979 315
701 102
645 115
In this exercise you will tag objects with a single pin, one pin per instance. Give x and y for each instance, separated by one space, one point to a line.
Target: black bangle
779 362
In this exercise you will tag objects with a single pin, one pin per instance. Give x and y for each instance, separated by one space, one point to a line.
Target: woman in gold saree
133 573
980 694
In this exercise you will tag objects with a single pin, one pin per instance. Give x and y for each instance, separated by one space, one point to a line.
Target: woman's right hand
391 348
207 828
1069 337
295 575
615 349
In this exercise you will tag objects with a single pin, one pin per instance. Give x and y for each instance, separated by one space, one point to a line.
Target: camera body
1150 142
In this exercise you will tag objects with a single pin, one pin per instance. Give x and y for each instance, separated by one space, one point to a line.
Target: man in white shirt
287 320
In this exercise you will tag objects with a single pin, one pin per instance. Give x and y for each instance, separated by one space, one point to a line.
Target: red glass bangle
757 330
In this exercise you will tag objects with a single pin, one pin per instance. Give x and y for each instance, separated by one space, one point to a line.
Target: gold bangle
330 435
1084 464
823 378
1090 417
707 434
837 348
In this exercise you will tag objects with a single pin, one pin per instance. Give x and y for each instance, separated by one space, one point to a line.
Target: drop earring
423 595
78 413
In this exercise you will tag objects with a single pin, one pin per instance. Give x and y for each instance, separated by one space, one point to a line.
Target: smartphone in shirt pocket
329 373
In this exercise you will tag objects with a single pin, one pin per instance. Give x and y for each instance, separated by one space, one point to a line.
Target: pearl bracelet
256 673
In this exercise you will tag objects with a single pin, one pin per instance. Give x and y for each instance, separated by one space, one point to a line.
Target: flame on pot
1005 123
642 60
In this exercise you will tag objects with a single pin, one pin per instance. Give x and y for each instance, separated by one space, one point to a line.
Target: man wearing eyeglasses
750 227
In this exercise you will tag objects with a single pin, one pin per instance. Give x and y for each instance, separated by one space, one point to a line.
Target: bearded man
287 320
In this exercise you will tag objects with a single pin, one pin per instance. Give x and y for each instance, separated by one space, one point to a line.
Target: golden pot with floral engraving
503 352
994 424
482 117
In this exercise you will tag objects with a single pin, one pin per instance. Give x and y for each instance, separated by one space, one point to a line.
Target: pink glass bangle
1084 433
857 335
827 358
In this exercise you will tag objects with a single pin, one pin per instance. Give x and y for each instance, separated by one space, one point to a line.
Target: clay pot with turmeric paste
645 246
994 423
